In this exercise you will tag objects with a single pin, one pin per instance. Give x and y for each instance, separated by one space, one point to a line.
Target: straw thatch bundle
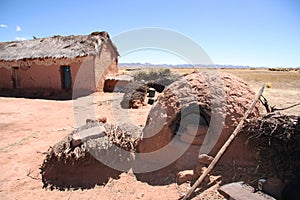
89 164
276 141
54 47
115 136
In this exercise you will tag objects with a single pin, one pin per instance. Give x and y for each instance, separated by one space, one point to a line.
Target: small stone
205 159
200 169
76 140
82 136
185 176
273 186
102 119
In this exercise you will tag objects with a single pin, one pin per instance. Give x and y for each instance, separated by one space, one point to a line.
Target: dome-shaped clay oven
201 110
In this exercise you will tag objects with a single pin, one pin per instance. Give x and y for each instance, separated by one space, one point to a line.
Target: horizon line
199 65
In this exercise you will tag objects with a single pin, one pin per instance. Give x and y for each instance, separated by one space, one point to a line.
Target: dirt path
29 127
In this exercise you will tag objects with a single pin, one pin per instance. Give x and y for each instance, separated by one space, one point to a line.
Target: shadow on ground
84 173
47 94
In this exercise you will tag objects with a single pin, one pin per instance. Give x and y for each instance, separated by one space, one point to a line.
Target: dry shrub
161 76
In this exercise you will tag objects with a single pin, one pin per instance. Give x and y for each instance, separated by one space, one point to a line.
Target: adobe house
53 63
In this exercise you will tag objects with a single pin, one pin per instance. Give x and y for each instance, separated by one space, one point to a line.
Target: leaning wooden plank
240 191
225 146
94 132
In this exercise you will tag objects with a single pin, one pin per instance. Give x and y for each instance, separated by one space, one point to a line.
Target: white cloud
20 38
3 25
18 28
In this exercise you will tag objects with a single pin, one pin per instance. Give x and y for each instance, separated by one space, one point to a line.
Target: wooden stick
225 146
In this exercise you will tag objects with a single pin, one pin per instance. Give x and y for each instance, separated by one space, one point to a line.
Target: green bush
161 76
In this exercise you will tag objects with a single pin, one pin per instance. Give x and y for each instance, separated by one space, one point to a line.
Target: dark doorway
66 77
15 77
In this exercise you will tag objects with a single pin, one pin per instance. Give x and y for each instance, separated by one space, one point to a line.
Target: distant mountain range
149 65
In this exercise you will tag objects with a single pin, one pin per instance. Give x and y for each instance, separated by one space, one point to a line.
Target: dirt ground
30 126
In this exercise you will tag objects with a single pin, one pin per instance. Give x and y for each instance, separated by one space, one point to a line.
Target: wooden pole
225 146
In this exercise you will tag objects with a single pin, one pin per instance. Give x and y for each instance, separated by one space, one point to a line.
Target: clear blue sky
255 32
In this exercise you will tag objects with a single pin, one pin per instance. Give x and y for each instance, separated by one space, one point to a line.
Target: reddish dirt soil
30 127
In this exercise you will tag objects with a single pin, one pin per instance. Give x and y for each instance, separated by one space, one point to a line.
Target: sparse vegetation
283 69
161 76
148 75
279 79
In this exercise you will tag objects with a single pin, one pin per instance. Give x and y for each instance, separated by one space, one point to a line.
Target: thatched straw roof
54 47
